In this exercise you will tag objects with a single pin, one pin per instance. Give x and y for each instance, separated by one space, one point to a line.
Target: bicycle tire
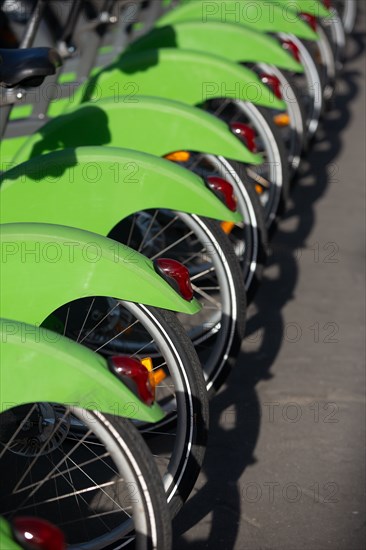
64 484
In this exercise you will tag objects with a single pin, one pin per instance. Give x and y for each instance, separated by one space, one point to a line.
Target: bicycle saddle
27 67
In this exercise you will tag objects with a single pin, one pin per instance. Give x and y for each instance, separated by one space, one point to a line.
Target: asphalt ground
285 464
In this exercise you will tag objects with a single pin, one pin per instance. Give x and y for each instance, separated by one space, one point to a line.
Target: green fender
6 536
44 267
149 124
94 188
234 42
54 369
259 14
314 7
8 149
183 75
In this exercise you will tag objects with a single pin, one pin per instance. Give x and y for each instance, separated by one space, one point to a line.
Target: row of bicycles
148 150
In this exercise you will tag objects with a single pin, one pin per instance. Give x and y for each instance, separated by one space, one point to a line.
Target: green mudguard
313 7
6 536
182 75
94 188
149 124
234 42
261 15
54 369
44 267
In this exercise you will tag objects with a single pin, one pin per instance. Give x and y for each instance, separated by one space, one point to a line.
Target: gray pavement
285 465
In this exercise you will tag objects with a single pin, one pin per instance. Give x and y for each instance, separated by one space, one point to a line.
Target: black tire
248 239
348 12
313 50
256 225
150 478
275 169
194 401
296 93
329 61
295 134
216 334
179 448
311 83
277 212
104 492
218 357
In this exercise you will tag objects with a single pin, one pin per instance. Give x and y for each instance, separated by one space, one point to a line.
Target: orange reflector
147 362
158 375
259 189
282 120
227 227
179 156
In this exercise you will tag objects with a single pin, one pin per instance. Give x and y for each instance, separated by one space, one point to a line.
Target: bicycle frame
260 15
54 369
44 267
234 42
146 124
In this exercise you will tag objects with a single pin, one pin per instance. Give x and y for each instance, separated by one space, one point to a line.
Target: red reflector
309 19
273 83
292 48
246 134
327 4
223 190
38 534
135 376
177 275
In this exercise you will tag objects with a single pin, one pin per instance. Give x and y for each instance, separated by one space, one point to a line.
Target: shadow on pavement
235 420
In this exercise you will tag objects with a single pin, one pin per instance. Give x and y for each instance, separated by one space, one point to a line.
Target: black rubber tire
123 457
298 96
217 341
285 187
228 358
179 454
197 412
322 71
260 229
285 192
260 119
150 478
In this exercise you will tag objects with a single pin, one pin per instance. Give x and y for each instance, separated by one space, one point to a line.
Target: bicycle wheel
111 327
271 178
336 34
348 11
294 133
102 490
200 244
312 82
329 62
248 238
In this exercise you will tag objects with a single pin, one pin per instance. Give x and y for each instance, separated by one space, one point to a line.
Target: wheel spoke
185 237
153 219
160 232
